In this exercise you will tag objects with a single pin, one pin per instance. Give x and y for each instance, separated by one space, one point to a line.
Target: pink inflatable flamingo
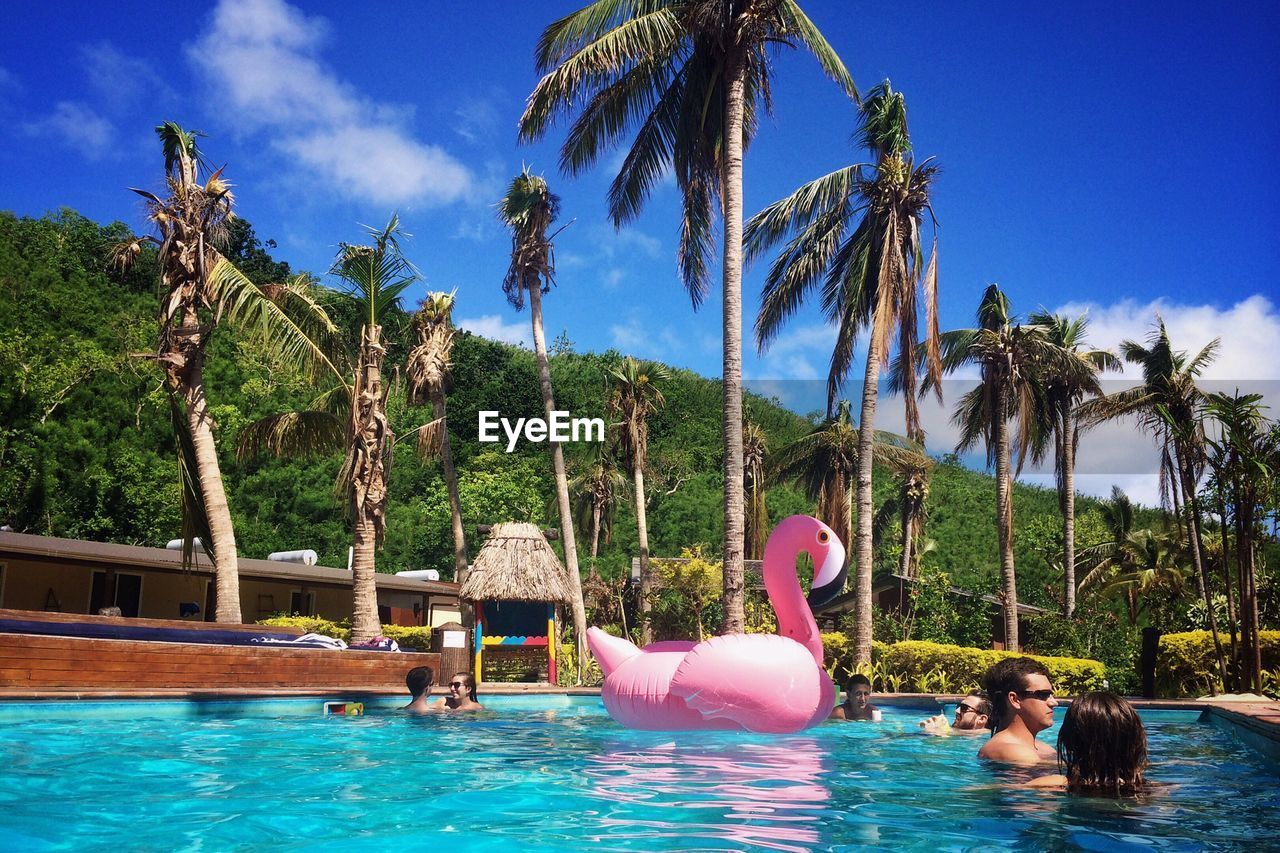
757 682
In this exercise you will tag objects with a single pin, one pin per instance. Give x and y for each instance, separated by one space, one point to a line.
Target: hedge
914 666
409 637
1187 665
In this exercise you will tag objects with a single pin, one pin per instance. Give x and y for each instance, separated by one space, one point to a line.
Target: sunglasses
1042 695
966 709
457 684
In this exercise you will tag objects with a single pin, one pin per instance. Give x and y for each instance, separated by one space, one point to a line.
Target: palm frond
293 435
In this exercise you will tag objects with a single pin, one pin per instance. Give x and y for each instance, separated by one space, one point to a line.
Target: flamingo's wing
762 682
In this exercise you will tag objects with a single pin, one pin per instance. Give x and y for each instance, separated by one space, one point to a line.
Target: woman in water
462 695
1102 748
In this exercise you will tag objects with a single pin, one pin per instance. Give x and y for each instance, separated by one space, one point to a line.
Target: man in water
972 715
419 682
857 701
1022 704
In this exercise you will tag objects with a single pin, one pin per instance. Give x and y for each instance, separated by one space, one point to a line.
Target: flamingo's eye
823 537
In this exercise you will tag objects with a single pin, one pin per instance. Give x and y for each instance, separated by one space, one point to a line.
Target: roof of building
162 558
516 564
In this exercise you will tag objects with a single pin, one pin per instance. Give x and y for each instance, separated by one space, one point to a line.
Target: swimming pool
555 773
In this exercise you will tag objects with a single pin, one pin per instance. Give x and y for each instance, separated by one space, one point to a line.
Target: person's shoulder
1009 751
837 713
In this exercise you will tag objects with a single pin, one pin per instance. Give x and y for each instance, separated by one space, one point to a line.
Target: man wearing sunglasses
1022 704
971 717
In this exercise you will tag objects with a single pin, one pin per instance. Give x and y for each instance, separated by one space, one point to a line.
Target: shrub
1186 663
408 636
928 667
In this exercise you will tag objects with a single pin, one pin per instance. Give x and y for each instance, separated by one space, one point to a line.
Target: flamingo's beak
828 580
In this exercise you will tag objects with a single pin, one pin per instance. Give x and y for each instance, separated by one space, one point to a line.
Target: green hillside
86 448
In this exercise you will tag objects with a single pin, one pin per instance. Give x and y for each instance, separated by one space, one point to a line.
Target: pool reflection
769 795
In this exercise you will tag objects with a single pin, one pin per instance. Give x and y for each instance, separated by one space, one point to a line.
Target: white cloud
629 336
1250 332
476 120
261 56
77 126
494 327
119 79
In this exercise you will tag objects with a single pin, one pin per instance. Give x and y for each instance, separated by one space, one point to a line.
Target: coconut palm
824 463
1075 377
1169 405
428 373
912 475
1131 563
691 77
530 208
351 415
1013 359
858 238
595 491
199 287
635 394
755 448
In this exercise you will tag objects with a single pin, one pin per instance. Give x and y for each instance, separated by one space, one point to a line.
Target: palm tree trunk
863 543
1004 525
731 207
1236 655
451 484
218 511
596 512
365 624
646 572
1068 515
906 517
1196 542
562 482
369 436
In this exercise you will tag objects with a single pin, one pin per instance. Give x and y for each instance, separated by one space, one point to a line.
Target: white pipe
421 574
305 556
351 557
176 544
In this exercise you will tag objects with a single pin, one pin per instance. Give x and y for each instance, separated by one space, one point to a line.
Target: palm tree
692 77
824 463
912 474
1064 391
595 491
755 449
1131 563
635 395
351 415
428 374
1013 359
1169 405
199 288
529 208
858 234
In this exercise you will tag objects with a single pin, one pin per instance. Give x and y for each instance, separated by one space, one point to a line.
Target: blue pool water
554 773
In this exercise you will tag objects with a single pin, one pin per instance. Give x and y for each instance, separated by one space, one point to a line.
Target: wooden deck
40 662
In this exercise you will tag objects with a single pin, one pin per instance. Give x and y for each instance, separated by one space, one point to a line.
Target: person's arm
1053 780
837 713
936 725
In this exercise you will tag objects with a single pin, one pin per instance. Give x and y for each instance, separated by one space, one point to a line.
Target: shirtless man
1022 704
419 683
972 715
857 701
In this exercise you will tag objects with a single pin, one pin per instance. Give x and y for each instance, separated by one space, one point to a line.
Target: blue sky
1114 158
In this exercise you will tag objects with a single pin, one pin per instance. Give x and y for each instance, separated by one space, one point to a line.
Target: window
128 595
296 603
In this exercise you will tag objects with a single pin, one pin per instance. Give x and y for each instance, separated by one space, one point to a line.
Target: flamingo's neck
795 619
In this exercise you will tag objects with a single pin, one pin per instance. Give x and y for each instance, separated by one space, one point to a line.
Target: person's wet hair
1004 677
981 704
856 679
418 680
1102 745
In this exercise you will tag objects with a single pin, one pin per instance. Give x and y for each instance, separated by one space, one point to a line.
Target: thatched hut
515 583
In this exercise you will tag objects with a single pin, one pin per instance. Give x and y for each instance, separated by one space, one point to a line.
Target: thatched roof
516 564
